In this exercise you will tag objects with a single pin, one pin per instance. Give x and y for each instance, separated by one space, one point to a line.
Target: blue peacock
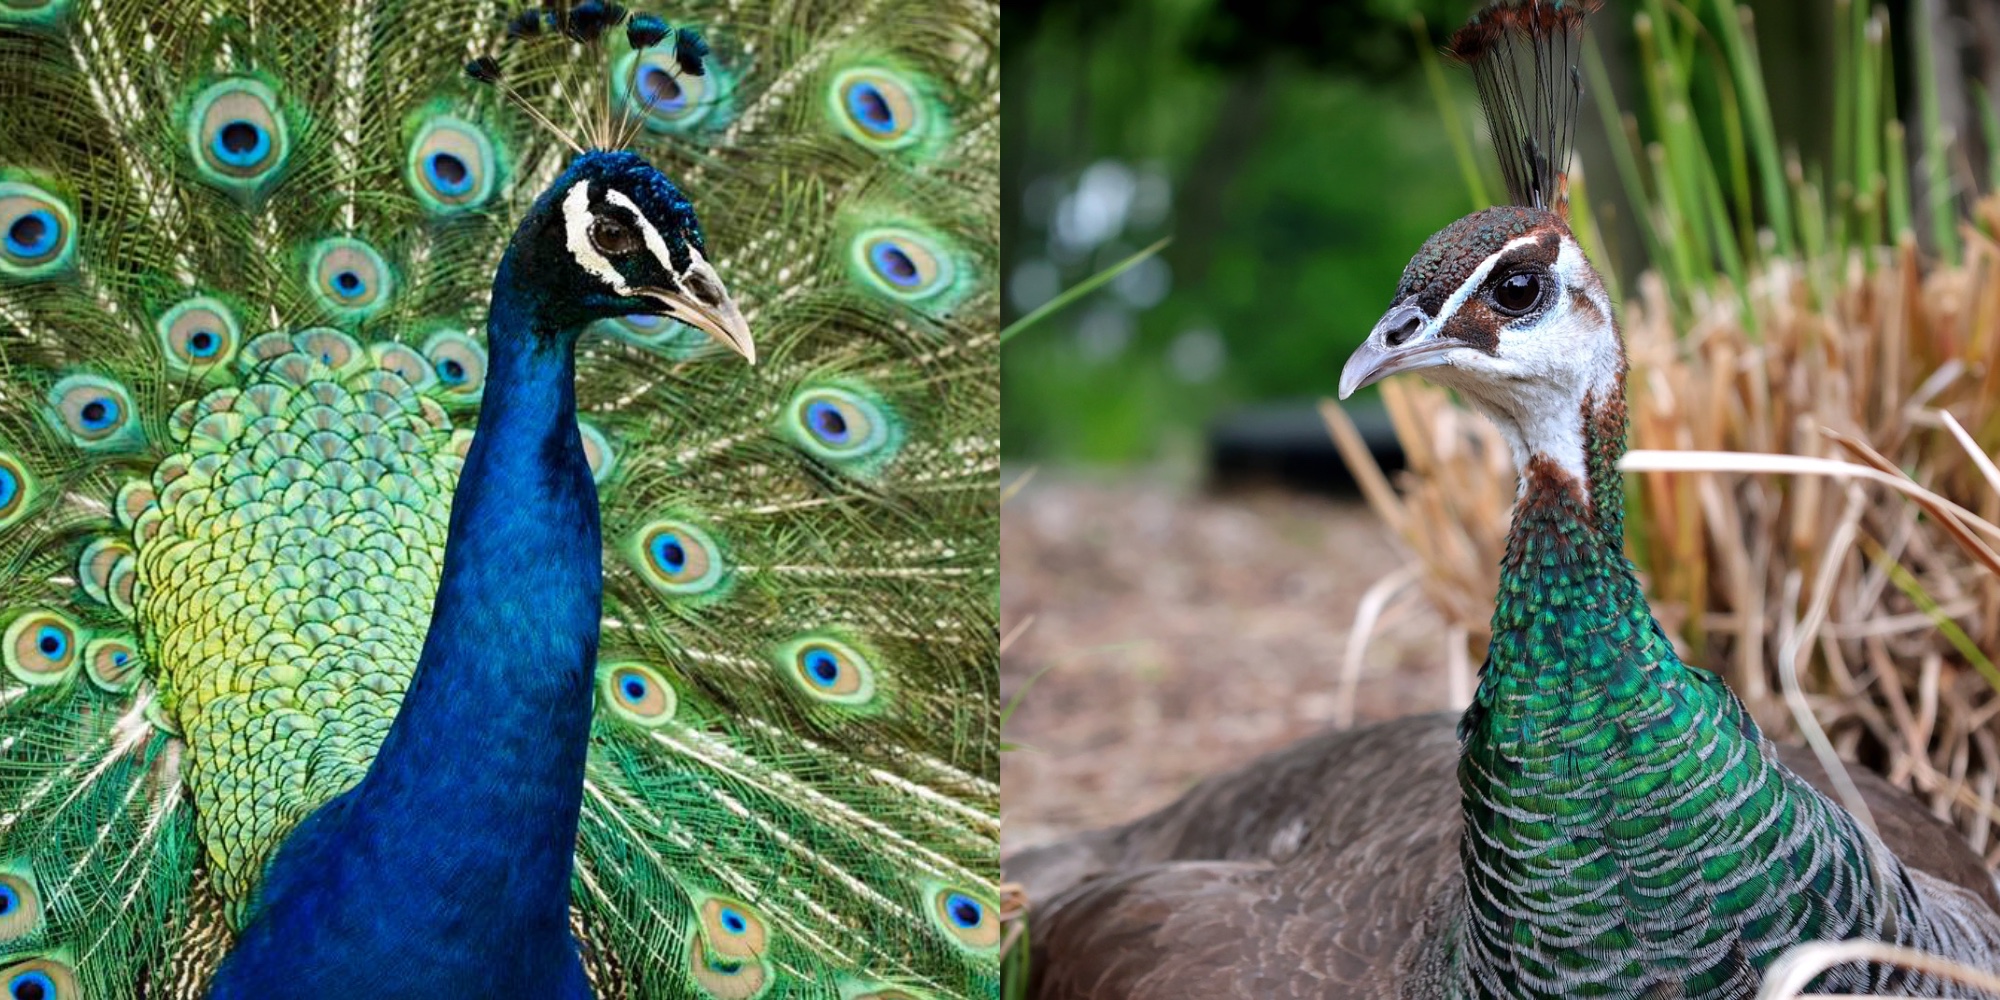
407 587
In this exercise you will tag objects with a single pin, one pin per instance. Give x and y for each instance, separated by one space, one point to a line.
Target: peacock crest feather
245 253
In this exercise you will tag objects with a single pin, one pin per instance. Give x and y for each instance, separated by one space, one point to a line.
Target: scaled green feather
240 355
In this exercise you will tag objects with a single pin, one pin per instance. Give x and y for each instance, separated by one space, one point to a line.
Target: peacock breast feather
277 569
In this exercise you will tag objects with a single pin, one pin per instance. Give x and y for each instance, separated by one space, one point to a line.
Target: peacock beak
702 302
1401 342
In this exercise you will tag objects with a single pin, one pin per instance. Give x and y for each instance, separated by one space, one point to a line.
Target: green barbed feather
236 380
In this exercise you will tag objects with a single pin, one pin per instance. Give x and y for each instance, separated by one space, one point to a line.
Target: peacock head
1504 307
614 237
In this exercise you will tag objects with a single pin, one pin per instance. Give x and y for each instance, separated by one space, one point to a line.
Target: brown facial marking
1476 323
1580 300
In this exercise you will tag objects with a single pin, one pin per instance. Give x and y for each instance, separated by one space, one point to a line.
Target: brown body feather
1322 870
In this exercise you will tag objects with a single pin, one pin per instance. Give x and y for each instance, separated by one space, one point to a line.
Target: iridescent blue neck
453 855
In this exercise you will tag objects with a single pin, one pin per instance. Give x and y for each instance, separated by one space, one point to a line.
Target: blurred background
1183 552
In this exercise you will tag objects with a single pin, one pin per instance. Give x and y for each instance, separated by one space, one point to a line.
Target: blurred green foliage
1296 159
1298 153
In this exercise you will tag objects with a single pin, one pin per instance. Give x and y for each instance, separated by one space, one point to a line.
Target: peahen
1604 820
327 330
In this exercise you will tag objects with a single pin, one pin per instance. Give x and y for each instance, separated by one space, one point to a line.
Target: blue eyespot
10 487
869 107
33 234
678 558
204 343
661 89
451 370
894 263
52 641
241 143
98 414
9 899
822 667
637 693
969 921
733 921
119 658
964 910
33 984
669 553
348 284
827 422
448 173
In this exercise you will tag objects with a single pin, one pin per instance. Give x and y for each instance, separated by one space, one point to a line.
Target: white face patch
577 218
1534 384
655 243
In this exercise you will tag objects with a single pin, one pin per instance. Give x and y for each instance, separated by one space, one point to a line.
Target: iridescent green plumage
239 358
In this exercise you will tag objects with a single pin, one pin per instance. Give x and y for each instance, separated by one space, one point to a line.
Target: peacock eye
1517 293
612 237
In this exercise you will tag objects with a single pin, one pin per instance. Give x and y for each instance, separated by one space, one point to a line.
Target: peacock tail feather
244 258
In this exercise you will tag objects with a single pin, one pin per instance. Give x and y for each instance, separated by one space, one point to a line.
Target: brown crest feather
1523 55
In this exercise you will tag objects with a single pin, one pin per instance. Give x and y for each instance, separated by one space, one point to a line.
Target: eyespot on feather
95 411
37 232
460 364
42 648
637 693
968 919
451 165
39 979
904 264
649 83
829 671
237 134
17 488
726 949
850 428
94 566
198 334
111 663
349 277
678 558
20 902
881 108
597 452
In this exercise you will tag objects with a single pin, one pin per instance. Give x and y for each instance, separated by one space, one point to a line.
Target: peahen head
614 237
1503 307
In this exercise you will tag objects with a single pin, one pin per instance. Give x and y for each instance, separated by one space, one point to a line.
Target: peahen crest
1523 56
244 259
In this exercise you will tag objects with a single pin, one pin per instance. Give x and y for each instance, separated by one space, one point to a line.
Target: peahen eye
613 237
1517 293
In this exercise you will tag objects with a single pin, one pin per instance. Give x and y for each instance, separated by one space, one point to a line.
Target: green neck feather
1627 827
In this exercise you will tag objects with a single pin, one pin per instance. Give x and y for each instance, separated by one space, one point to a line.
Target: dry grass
1881 602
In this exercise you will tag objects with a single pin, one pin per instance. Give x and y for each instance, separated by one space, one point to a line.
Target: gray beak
1397 344
705 304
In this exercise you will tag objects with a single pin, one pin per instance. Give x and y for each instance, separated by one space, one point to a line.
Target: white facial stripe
577 218
1472 282
654 241
1534 384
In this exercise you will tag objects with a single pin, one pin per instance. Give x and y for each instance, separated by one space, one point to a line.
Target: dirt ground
1176 635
